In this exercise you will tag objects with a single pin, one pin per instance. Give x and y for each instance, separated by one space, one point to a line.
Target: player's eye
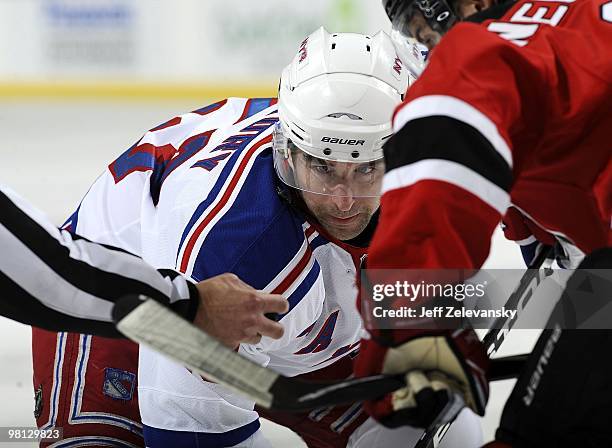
366 169
322 168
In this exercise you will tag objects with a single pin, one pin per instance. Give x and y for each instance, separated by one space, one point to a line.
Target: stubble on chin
322 212
347 233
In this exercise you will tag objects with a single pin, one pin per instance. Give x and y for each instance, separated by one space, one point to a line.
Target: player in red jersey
514 108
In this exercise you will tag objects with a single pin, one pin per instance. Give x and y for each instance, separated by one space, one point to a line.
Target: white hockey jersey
199 194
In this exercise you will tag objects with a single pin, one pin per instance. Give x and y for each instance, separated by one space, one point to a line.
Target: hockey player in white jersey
287 200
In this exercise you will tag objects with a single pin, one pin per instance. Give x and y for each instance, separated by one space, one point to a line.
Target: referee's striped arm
52 279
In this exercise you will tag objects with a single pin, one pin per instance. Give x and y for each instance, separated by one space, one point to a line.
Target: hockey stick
503 368
518 300
507 367
148 322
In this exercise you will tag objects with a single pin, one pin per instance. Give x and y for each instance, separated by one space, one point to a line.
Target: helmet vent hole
327 151
402 96
334 46
355 154
368 48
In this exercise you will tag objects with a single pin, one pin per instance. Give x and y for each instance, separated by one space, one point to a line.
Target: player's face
412 22
343 217
420 29
423 20
342 212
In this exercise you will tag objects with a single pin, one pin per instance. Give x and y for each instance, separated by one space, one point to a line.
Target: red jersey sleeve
500 109
449 165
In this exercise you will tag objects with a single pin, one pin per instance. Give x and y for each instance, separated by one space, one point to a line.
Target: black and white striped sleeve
52 279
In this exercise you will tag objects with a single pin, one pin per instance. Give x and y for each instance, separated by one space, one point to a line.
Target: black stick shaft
507 367
501 368
494 338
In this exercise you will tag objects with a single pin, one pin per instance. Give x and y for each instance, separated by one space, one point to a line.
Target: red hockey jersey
511 110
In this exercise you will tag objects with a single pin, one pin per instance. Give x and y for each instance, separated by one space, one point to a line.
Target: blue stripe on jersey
219 184
257 105
274 249
163 438
303 288
318 241
76 400
211 107
212 195
56 382
161 170
352 413
93 441
71 223
257 237
319 413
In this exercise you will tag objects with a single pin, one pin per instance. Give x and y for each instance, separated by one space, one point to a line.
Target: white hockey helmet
335 103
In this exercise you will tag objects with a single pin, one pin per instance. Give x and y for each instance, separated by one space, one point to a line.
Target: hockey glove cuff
436 366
